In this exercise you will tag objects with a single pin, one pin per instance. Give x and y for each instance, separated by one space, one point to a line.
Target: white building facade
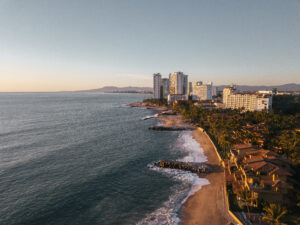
173 98
248 101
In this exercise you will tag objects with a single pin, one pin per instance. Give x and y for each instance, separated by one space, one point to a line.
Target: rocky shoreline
199 168
147 106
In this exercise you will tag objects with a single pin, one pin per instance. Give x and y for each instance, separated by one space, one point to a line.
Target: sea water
83 158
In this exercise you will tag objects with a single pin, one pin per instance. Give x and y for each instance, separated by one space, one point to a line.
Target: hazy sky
50 45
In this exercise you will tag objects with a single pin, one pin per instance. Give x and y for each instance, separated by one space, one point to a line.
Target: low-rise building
173 98
263 172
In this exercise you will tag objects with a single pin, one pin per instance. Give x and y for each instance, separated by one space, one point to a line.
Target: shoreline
209 204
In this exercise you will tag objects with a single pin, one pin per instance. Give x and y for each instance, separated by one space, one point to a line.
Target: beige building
201 91
178 83
249 101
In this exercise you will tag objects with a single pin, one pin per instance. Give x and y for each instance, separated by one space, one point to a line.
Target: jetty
193 167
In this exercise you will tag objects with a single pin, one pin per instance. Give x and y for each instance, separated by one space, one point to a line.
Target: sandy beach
208 206
173 121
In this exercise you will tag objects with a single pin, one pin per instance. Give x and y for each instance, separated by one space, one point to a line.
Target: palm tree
274 213
245 197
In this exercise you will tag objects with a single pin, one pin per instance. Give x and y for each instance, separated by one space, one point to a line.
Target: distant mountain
284 87
113 89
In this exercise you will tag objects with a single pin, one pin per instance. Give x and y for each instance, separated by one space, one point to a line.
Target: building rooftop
242 146
262 167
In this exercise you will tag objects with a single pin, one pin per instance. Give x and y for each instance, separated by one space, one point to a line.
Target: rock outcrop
199 168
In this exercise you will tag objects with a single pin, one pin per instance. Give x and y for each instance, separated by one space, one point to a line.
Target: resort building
246 100
263 172
201 91
173 98
178 83
157 83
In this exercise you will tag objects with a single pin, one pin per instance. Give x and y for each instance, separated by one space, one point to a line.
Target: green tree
274 214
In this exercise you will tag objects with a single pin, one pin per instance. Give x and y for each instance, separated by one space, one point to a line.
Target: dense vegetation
287 104
160 102
275 131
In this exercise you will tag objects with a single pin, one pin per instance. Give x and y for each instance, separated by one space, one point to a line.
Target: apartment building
246 100
201 91
178 83
165 88
157 83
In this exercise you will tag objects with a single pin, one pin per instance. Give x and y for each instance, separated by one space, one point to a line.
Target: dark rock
199 168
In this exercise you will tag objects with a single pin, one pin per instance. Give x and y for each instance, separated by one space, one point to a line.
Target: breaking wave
150 116
190 183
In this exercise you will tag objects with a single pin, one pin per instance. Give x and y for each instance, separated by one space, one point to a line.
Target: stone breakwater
198 168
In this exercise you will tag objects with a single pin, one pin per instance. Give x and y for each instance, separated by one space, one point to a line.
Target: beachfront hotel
250 101
178 83
201 91
175 88
161 87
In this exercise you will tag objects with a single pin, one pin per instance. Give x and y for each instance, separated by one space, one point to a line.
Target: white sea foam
187 142
150 116
190 183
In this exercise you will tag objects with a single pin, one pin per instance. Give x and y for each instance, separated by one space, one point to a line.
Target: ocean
85 158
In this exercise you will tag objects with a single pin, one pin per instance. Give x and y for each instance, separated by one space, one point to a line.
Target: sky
64 45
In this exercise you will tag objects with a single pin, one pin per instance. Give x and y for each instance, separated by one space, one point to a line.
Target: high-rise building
214 91
202 91
246 100
190 88
185 83
165 88
178 83
157 86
